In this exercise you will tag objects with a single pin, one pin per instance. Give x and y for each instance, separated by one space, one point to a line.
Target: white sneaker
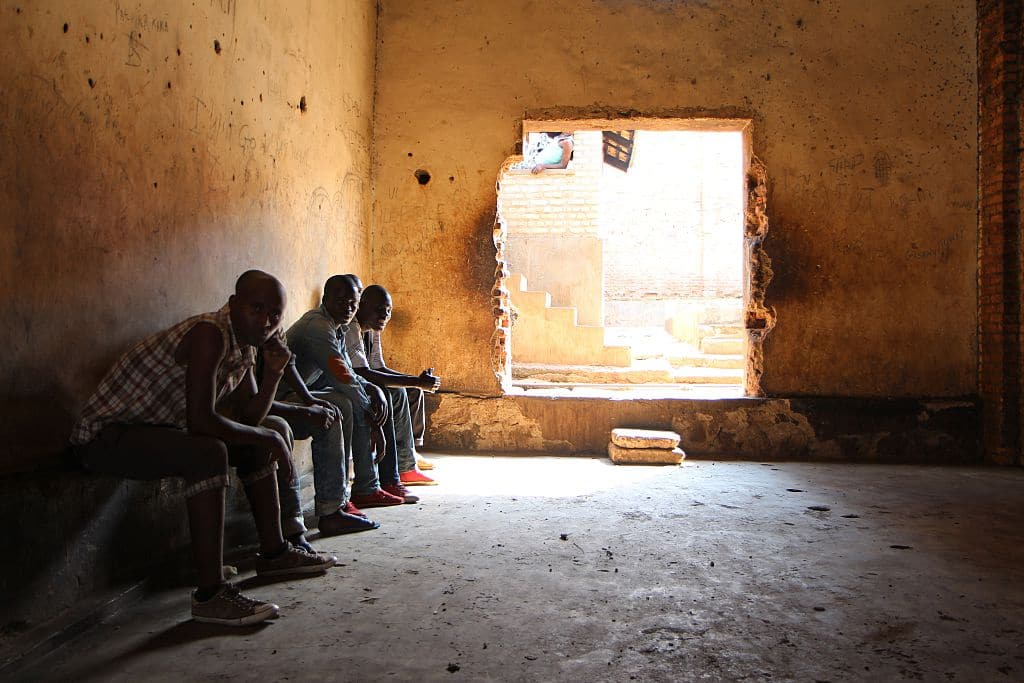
229 607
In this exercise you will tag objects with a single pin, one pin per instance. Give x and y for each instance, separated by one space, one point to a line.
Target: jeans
418 408
330 461
402 417
369 474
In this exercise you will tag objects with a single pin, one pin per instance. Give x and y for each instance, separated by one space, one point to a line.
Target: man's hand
379 443
380 407
537 169
275 357
326 405
319 416
428 382
279 451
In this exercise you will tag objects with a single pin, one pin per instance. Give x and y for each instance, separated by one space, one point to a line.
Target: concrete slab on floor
544 568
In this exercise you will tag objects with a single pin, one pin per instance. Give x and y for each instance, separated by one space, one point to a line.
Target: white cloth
355 342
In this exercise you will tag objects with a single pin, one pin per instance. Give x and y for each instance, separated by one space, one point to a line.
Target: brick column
999 237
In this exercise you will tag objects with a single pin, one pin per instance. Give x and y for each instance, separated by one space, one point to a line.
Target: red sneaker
378 499
351 509
401 492
416 478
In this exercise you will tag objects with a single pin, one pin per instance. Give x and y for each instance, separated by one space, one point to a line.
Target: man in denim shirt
318 341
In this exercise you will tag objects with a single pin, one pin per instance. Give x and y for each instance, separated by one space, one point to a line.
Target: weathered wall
152 151
1001 188
864 113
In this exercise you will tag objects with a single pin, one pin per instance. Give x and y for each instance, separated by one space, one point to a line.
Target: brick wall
999 254
555 201
673 225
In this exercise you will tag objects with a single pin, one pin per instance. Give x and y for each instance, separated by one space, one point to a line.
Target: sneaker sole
419 483
256 618
381 505
297 571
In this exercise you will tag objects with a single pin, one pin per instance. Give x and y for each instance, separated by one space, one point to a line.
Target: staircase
551 335
549 347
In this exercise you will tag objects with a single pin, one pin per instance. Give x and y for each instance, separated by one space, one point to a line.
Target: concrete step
722 344
693 375
591 374
532 301
638 373
564 315
723 361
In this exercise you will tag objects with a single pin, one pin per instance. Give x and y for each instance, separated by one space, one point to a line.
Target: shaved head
375 293
257 306
374 308
254 279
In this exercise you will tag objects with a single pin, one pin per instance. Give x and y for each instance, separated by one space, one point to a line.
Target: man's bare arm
201 351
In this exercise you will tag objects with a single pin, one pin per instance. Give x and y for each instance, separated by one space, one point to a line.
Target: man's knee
205 466
399 399
281 426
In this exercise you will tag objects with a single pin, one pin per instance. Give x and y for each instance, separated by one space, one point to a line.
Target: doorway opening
631 266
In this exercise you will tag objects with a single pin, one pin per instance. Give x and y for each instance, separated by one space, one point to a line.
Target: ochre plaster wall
863 111
142 170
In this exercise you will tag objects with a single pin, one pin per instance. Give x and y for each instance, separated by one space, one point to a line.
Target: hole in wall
92 83
422 177
302 104
695 332
216 46
65 28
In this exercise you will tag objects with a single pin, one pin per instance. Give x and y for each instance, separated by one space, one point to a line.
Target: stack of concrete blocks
644 447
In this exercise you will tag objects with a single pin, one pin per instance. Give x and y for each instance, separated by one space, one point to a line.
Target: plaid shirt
147 386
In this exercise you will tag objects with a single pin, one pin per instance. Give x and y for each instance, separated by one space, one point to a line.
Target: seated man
154 415
323 363
363 342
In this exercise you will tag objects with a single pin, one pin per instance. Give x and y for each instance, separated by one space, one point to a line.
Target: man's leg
404 441
330 469
330 473
418 409
257 471
292 523
147 452
387 466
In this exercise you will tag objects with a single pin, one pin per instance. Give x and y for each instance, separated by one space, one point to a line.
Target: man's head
355 281
256 307
341 298
374 308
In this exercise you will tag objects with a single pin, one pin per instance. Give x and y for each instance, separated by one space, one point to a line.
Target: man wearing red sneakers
322 363
362 339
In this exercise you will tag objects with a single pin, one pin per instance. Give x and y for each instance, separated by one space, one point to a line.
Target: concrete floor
710 571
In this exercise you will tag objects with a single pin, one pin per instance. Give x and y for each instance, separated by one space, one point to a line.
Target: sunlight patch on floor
558 477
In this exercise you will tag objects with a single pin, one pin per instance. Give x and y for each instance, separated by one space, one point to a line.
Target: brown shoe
343 523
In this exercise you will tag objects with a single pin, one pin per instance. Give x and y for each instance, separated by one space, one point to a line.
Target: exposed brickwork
999 254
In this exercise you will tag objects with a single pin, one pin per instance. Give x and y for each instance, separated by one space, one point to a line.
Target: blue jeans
369 474
402 417
330 459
